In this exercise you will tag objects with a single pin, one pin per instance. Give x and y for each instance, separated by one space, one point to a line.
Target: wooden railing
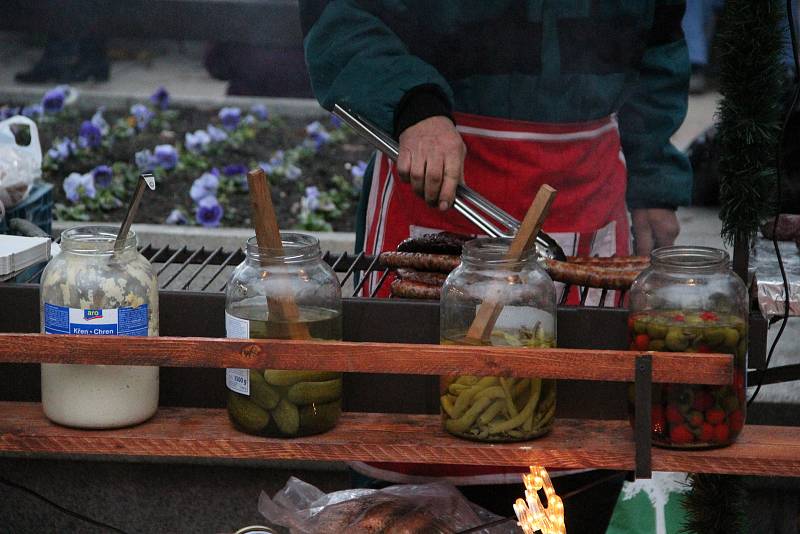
574 443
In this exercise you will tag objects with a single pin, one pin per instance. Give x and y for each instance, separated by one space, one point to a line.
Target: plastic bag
436 508
20 165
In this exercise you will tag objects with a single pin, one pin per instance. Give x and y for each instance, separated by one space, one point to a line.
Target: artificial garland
750 43
716 504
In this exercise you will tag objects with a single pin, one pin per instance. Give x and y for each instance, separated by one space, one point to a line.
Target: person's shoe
95 69
92 63
54 65
698 84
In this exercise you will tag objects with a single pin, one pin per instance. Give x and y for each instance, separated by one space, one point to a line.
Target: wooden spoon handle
268 236
489 310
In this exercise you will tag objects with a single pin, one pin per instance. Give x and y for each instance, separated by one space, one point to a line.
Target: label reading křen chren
125 321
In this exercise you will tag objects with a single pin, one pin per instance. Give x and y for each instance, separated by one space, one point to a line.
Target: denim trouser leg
696 22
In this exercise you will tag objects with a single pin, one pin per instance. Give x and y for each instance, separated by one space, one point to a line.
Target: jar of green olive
498 409
273 402
689 300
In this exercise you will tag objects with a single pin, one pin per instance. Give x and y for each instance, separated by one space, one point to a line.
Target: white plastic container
89 289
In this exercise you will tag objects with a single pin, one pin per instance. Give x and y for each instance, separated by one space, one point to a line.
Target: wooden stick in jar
488 312
268 236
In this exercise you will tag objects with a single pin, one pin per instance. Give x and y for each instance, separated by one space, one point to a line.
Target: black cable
60 508
778 169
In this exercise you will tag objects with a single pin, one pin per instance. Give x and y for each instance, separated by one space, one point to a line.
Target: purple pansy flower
266 167
61 150
77 185
102 175
317 135
142 114
209 212
176 216
166 156
260 111
310 200
99 121
197 142
144 160
6 112
234 169
89 136
292 172
160 98
53 100
33 111
230 117
336 122
204 186
357 171
217 134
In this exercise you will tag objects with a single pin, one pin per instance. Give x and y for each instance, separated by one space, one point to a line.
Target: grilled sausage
588 275
441 263
415 290
613 261
441 243
434 279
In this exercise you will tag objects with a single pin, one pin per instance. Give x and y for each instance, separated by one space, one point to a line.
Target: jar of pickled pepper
689 300
280 403
498 409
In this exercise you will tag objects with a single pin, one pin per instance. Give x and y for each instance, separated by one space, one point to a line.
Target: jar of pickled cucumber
93 289
493 408
689 300
281 403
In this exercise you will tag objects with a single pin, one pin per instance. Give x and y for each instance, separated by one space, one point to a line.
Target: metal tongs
469 203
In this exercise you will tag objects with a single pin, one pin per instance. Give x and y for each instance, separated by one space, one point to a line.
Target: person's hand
653 228
432 159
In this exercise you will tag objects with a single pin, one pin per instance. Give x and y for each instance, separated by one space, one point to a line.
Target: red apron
507 161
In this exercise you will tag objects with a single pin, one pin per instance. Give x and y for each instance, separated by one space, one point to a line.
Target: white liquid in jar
99 396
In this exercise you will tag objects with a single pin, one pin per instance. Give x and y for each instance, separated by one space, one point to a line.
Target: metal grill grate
184 269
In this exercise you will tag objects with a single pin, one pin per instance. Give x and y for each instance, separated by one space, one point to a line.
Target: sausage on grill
620 277
442 263
435 279
441 243
415 290
613 261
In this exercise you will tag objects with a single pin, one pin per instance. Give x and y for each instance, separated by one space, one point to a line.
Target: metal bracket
643 415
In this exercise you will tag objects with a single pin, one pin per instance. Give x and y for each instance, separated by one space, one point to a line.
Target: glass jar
689 300
498 409
91 289
280 403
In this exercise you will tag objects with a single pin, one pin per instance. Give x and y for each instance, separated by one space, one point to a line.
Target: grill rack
207 270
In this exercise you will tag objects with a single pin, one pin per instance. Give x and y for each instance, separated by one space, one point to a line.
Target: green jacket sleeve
659 175
354 57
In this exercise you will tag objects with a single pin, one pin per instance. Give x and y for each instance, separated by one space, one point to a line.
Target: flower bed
199 158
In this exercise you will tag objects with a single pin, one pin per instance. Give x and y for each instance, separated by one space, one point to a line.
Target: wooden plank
573 443
207 433
413 359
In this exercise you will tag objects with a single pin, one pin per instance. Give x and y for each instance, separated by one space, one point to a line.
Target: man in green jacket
507 95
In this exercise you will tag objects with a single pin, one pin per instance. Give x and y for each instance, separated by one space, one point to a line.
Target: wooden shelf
574 443
394 358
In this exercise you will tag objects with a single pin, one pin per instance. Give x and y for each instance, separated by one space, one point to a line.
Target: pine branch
751 74
716 504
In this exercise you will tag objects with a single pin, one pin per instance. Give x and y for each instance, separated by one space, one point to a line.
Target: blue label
95 322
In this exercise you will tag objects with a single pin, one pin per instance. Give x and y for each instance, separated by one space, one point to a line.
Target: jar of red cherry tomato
690 300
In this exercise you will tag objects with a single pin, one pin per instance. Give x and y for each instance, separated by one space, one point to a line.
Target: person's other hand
653 228
432 159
